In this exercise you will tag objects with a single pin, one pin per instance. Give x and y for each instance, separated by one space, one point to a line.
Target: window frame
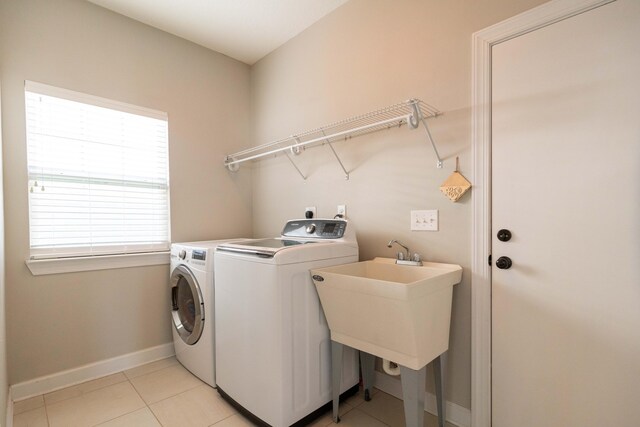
62 263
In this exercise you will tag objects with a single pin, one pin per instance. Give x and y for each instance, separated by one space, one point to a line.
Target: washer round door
187 305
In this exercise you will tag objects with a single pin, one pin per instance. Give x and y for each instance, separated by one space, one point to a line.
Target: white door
566 183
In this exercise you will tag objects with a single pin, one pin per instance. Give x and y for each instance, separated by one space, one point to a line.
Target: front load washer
273 355
192 296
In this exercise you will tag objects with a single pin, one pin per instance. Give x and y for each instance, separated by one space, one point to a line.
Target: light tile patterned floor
164 394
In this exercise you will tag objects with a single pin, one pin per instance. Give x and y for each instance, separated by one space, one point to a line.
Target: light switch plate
424 220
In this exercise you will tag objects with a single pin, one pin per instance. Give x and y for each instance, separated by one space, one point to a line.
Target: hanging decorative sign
456 185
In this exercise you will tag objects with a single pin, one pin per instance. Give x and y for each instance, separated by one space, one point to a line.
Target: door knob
504 235
504 263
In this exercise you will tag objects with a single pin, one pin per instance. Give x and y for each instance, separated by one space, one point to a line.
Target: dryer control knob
182 254
311 228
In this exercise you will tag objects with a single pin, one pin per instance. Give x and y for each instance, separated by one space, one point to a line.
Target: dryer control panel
199 254
315 228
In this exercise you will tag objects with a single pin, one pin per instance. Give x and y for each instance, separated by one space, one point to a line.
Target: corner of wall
5 411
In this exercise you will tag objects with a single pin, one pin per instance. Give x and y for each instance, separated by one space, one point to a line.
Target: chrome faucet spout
391 242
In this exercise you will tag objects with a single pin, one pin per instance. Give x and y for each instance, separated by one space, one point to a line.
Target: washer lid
331 238
292 254
266 248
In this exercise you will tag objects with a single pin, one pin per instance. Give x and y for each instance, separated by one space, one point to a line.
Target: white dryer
192 306
273 356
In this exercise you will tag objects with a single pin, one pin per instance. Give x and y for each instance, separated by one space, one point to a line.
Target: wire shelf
411 113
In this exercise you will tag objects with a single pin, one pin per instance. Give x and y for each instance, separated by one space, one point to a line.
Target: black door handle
504 235
504 263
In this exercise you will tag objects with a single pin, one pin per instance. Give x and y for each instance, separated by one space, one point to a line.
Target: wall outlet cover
310 208
342 210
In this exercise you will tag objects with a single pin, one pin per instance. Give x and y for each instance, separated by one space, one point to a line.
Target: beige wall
366 55
57 322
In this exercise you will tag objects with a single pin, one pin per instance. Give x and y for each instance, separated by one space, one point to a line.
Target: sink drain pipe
390 367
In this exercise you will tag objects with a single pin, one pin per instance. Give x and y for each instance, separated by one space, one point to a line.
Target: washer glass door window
187 305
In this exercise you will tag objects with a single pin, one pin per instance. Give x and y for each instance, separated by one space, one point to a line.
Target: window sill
71 265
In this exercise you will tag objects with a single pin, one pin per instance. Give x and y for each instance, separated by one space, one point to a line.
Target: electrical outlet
342 210
310 208
424 220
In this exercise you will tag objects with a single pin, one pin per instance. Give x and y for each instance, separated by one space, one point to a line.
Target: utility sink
398 312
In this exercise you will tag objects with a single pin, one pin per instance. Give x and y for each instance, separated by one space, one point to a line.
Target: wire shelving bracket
411 113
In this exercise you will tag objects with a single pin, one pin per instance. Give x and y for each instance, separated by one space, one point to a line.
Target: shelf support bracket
433 144
346 174
415 120
232 167
295 150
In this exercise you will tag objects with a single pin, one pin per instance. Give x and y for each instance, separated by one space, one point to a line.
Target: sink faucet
400 254
406 259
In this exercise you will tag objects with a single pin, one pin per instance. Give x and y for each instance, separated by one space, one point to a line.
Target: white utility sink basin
398 312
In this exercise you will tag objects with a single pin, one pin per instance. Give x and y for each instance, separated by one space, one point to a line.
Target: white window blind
98 175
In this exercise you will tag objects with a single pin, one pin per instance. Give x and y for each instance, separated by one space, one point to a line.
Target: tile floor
163 393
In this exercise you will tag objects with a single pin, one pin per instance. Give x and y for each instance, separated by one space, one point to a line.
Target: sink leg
438 374
336 377
413 383
367 365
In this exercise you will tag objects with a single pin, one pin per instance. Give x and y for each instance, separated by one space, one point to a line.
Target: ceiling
246 30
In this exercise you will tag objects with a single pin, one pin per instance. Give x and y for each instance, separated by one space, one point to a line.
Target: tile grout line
126 378
46 413
110 419
72 397
168 397
153 414
127 413
146 405
94 379
368 414
225 418
150 372
162 400
349 405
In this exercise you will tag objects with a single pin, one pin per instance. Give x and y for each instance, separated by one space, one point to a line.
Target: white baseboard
49 383
456 414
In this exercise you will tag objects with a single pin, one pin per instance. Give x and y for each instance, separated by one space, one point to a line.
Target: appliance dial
311 228
182 254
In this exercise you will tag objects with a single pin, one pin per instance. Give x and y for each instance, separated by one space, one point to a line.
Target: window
98 175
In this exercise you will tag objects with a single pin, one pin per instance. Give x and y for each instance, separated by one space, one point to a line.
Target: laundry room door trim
482 42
